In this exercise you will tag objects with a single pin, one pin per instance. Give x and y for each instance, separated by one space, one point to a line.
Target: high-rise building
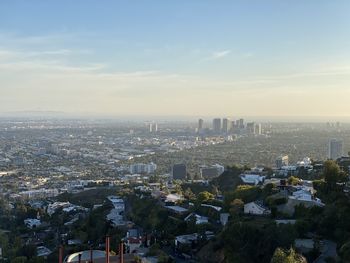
139 168
241 123
200 124
258 129
251 128
179 171
225 125
282 161
335 149
233 125
216 125
153 127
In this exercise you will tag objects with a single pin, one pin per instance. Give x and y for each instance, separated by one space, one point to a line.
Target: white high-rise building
335 149
140 168
258 129
153 127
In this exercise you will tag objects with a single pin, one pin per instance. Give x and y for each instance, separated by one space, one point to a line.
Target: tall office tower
241 123
237 124
251 128
179 171
200 124
217 125
153 127
258 129
282 161
233 126
225 125
335 149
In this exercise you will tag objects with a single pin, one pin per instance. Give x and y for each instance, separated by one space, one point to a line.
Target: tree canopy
287 256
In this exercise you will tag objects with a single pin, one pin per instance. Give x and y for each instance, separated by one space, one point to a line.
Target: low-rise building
253 179
198 219
256 208
32 223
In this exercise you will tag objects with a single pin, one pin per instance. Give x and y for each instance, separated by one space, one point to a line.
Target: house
117 202
253 179
302 195
177 209
116 213
66 207
32 222
256 208
199 219
305 195
133 240
173 198
186 239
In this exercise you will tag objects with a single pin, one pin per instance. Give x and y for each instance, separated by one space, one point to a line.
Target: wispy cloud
218 55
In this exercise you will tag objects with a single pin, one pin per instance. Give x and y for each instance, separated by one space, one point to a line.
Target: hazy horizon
161 118
185 58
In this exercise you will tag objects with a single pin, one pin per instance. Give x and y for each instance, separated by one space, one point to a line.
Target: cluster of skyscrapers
153 127
226 126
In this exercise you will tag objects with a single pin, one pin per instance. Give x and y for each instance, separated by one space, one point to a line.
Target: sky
176 58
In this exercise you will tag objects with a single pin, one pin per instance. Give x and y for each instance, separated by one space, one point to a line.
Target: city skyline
176 59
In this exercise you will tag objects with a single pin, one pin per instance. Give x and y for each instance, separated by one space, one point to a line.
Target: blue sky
149 57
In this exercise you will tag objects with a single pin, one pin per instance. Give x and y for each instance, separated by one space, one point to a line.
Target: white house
305 195
254 179
173 198
254 208
199 219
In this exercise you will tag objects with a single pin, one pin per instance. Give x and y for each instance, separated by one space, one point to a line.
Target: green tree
247 193
333 175
188 193
287 256
205 196
236 207
345 252
293 180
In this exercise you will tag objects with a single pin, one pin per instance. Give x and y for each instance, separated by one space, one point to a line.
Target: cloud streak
218 55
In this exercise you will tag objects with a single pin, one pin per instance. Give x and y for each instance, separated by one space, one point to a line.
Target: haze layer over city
174 131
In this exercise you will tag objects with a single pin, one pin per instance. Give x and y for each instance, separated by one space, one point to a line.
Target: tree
287 256
345 252
247 193
332 173
205 196
293 180
236 206
189 194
